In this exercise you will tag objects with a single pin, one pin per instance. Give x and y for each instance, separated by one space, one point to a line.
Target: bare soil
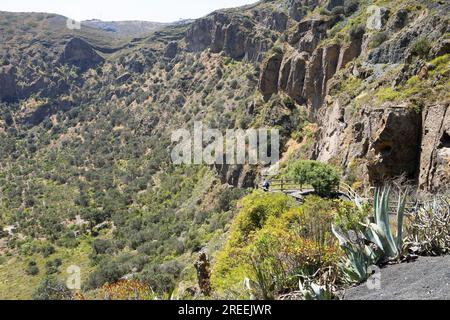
426 279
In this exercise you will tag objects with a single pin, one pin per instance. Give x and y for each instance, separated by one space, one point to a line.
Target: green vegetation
386 247
274 242
421 47
32 269
351 86
52 289
429 232
378 39
322 177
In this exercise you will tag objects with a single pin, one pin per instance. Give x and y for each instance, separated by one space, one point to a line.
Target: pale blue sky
149 10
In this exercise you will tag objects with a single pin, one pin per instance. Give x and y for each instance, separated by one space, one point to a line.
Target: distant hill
126 28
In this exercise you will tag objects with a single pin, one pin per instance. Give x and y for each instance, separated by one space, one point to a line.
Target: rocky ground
426 279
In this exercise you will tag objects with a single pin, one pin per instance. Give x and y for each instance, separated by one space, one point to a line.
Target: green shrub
350 6
421 47
47 250
256 209
295 242
232 265
32 269
52 289
387 94
350 217
288 102
337 11
53 266
378 38
277 49
322 177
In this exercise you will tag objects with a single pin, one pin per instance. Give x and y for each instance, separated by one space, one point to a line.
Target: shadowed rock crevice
79 53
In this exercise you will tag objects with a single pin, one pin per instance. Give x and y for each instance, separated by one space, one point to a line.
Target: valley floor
426 279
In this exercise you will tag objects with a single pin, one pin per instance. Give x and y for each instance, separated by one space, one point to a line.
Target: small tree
322 177
52 289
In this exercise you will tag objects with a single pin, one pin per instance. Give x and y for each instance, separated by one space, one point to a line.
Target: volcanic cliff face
359 131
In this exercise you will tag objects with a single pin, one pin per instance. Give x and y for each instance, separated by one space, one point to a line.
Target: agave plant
380 232
358 256
375 243
313 291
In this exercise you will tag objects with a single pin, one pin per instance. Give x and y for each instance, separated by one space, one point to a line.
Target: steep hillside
86 119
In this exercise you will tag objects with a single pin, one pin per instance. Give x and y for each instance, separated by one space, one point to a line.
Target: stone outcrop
235 36
268 84
396 49
394 144
299 8
270 19
8 86
388 142
331 4
292 76
305 69
202 266
349 52
435 149
309 33
171 50
79 53
305 77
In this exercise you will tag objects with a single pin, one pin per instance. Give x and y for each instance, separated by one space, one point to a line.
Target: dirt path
426 279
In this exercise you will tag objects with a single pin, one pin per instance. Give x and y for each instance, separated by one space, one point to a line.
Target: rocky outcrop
292 75
385 142
268 83
388 142
8 86
331 4
312 90
234 35
309 33
435 149
240 176
270 19
441 48
303 77
79 53
202 266
299 8
394 144
305 69
396 49
171 50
